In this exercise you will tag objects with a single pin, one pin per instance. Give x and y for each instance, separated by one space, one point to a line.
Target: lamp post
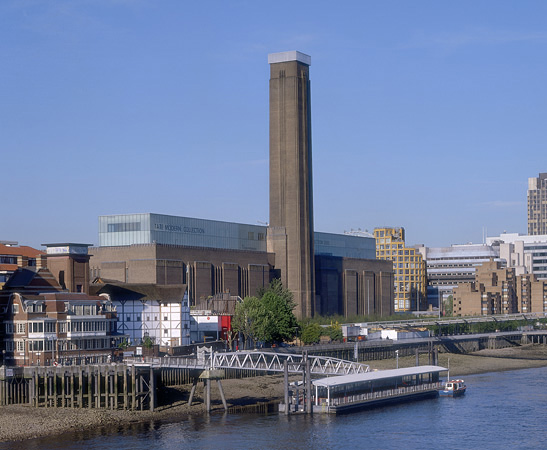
397 357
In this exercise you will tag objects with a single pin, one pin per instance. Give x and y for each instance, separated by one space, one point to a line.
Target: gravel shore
22 422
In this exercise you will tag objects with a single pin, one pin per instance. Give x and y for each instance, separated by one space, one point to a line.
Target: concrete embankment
22 422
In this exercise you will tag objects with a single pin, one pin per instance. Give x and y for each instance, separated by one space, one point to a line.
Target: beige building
497 290
410 277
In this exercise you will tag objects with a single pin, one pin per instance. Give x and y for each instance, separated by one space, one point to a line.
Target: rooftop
379 375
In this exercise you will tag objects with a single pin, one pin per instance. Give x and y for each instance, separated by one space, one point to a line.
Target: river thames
502 410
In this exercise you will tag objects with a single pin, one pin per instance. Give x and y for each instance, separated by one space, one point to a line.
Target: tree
269 317
280 322
249 319
335 332
311 333
147 342
449 306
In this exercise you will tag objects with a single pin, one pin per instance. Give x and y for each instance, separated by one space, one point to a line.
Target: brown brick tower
290 234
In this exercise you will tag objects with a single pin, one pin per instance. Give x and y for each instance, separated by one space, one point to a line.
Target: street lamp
397 357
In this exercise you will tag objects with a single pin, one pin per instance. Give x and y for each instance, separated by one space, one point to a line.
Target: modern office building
449 267
410 280
537 205
524 253
290 233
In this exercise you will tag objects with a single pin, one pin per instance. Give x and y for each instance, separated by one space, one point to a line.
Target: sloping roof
23 250
172 293
379 375
33 278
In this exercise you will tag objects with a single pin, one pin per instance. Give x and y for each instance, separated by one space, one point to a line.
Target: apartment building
498 290
44 324
409 278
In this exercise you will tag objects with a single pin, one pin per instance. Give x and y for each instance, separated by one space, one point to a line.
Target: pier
113 386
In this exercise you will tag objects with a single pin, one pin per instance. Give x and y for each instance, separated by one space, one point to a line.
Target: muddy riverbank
22 422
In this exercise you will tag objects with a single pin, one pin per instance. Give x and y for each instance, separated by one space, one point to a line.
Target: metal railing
378 395
251 360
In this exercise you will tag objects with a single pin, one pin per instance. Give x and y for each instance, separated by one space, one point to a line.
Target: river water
503 410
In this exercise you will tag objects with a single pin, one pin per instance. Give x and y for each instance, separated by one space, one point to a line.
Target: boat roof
378 375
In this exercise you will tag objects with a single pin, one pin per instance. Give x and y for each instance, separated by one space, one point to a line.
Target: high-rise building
537 205
410 281
290 233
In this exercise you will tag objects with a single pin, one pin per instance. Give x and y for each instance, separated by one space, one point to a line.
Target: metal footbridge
261 361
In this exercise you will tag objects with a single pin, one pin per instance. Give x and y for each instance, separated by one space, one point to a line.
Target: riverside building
45 323
212 257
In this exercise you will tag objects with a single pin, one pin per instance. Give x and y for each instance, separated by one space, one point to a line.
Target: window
20 328
15 308
20 346
165 331
36 327
9 328
121 227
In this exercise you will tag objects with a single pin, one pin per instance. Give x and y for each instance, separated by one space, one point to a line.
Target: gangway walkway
253 360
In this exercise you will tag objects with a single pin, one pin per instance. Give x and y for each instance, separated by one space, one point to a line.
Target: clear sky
429 115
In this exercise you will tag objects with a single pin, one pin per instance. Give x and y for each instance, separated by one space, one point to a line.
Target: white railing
396 392
263 361
274 362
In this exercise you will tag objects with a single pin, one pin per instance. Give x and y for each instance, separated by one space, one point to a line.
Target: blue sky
425 114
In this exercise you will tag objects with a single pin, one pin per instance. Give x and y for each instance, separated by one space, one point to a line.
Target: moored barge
347 393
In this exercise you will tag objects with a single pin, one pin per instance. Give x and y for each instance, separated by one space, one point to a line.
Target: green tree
269 317
335 332
147 342
311 333
448 306
249 319
280 322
